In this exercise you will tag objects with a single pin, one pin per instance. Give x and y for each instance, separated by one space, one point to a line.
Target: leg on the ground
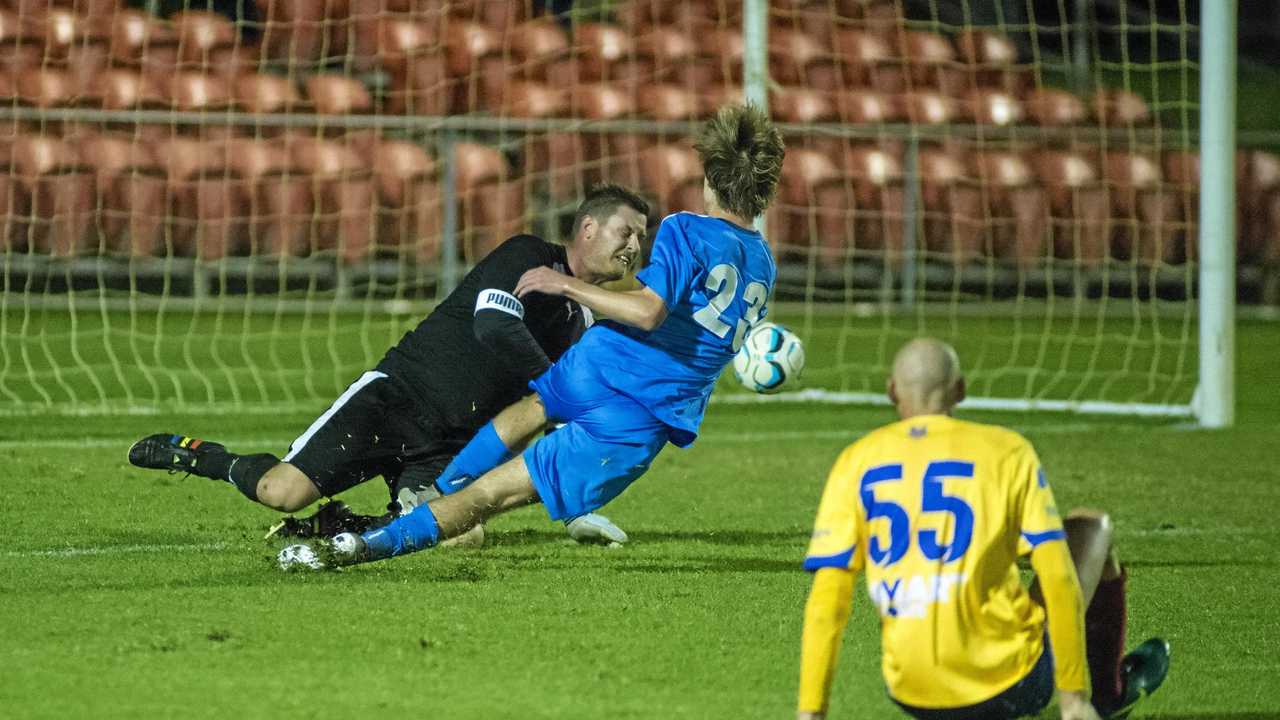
507 487
179 453
286 488
513 428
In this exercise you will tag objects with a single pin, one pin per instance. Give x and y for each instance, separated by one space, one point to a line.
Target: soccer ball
770 358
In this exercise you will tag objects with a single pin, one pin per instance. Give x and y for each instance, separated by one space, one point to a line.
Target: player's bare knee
285 489
1091 526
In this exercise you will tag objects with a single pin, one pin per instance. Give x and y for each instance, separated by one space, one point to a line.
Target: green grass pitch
132 594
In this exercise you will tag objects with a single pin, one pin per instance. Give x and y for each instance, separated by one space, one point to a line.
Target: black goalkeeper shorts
374 428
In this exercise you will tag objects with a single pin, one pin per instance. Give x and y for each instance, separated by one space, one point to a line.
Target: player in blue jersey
633 382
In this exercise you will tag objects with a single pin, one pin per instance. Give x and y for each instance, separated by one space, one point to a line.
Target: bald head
926 378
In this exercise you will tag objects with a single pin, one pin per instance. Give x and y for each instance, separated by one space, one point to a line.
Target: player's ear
589 228
891 391
959 391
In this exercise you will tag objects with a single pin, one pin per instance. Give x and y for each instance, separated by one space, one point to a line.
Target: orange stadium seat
877 199
867 108
20 46
811 214
600 156
195 92
206 208
539 100
724 46
671 50
1050 107
86 8
803 105
275 193
338 95
75 44
144 41
410 214
1260 201
202 37
357 30
1079 205
491 206
995 107
668 102
333 94
294 31
131 195
792 54
1145 209
48 204
673 173
534 46
991 60
932 108
1112 106
1015 205
640 15
501 15
869 60
475 66
260 93
952 204
121 89
342 195
412 53
932 64
50 88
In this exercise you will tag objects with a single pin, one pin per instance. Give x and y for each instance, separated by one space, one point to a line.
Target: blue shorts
608 439
1025 698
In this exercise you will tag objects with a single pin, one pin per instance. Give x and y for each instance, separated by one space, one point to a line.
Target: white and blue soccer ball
771 358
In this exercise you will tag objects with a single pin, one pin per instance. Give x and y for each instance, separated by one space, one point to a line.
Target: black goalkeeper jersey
448 368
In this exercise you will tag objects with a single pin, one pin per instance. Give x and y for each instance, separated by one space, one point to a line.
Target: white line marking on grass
115 550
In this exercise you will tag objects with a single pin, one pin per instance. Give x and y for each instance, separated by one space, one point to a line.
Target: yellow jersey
936 512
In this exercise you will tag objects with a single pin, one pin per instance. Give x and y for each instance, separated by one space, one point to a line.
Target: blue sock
485 452
408 533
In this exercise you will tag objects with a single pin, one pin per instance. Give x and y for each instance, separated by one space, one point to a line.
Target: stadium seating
131 200
263 188
410 213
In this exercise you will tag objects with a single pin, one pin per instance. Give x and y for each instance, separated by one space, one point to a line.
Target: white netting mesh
226 204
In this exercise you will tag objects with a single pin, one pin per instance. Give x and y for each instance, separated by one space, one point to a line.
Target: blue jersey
716 279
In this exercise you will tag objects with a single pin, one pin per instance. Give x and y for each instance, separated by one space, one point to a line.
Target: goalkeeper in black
470 358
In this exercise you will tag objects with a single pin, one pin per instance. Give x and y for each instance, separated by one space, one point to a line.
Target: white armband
501 301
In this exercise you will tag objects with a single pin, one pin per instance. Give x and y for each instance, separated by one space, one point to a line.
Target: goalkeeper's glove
593 528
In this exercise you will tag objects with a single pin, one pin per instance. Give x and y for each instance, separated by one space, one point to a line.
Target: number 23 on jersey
722 282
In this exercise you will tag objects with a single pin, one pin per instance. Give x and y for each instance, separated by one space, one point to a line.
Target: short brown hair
741 153
603 200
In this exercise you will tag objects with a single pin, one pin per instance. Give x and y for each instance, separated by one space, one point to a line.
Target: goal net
231 205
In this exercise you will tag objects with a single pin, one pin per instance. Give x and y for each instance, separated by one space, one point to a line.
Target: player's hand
1076 706
597 529
543 280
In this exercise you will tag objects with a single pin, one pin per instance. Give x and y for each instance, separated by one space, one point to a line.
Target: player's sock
485 452
408 533
244 471
1104 622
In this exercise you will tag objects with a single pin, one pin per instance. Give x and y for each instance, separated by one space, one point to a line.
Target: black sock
213 461
246 470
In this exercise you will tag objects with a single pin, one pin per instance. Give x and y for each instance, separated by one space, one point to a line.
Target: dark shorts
1024 698
374 428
